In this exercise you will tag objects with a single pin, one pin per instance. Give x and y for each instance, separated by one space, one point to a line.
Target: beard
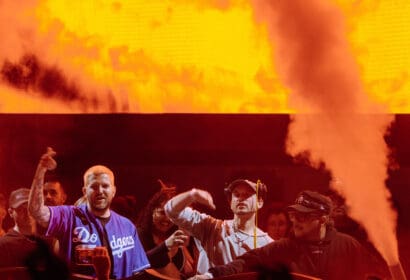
50 202
100 204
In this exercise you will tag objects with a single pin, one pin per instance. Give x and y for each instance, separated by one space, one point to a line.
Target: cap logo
311 204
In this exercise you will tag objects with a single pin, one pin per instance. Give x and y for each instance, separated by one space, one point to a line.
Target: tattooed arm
38 210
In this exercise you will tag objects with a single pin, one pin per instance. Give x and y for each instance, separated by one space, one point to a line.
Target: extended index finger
50 152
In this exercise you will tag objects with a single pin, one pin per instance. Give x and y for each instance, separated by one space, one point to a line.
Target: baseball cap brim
19 203
238 182
301 208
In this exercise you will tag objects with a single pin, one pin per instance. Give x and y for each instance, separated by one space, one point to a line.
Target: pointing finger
50 152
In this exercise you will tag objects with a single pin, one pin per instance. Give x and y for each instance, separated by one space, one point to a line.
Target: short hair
97 170
51 177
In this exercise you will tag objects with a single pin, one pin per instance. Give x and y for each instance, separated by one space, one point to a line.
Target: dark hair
144 221
274 208
126 206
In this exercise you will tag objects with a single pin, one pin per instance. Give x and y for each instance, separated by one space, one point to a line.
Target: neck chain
240 238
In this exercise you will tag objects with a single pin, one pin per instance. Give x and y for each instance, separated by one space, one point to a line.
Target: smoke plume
337 122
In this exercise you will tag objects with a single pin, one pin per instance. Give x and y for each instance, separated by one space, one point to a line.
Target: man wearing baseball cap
221 241
17 243
314 249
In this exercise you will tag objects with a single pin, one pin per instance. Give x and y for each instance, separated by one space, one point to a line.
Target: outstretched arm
182 200
38 210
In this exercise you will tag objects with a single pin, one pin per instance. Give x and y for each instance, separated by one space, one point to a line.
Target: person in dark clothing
18 242
43 264
315 248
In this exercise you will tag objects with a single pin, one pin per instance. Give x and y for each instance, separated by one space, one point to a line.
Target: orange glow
189 56
380 38
215 56
160 57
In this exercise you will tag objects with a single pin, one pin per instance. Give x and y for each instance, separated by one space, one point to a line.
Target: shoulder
64 208
11 237
345 240
344 237
64 211
226 223
283 244
263 235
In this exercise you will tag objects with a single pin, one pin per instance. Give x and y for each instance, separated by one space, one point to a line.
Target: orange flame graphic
175 56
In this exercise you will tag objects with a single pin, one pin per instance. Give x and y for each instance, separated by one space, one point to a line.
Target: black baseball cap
311 201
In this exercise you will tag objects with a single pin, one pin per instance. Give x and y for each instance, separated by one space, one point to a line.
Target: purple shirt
74 226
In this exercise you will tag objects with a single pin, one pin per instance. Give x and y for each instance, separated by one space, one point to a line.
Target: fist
47 161
101 262
178 238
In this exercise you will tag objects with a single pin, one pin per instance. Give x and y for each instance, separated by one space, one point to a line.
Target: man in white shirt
221 241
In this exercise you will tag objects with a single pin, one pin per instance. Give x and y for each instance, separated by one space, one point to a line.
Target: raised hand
47 161
171 190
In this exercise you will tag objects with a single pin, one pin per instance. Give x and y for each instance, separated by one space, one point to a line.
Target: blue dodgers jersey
74 226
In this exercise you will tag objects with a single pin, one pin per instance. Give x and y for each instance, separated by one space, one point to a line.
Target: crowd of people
102 237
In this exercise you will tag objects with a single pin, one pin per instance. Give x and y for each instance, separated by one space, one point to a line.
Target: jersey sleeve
60 218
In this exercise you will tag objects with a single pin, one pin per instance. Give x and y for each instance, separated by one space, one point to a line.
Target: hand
202 197
201 276
178 238
101 263
47 161
171 190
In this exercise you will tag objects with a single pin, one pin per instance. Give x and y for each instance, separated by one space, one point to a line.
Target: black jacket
15 248
337 257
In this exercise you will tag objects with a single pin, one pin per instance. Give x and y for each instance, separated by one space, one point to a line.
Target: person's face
243 200
22 218
277 225
53 194
99 191
160 221
306 225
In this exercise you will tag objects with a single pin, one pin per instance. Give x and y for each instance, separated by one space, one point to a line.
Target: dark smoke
34 77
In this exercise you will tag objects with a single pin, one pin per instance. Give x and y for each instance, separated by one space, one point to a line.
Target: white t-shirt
217 240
